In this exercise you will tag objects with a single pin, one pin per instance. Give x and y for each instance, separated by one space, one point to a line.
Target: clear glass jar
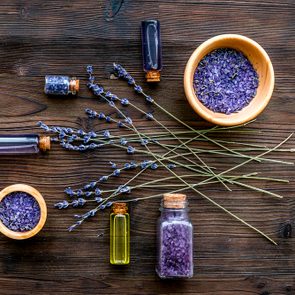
174 239
119 234
61 85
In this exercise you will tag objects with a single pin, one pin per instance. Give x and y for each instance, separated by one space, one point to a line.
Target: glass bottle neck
172 213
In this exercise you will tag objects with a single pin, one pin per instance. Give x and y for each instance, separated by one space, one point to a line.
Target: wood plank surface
62 37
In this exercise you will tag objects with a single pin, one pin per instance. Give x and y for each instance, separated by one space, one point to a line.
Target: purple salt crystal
225 81
19 212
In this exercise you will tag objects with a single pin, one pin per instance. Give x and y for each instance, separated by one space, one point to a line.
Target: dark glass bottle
61 85
151 49
23 144
175 239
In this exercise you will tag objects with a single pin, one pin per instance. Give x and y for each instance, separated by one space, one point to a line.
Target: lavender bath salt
175 241
19 212
225 81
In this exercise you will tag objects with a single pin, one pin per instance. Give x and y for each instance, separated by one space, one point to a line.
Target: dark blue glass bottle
151 49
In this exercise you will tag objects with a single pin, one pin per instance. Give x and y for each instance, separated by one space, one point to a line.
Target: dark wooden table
61 37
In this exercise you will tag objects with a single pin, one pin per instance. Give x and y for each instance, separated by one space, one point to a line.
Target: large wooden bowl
260 61
43 211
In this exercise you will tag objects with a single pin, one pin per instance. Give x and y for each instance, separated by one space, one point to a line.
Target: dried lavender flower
19 211
225 81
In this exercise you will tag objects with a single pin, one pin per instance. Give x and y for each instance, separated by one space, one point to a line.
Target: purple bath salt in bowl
225 81
19 212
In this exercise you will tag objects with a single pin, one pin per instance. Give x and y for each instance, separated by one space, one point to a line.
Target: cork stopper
153 76
174 201
44 143
74 85
120 208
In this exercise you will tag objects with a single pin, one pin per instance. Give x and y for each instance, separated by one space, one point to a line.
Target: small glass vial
23 144
175 239
61 85
151 50
119 234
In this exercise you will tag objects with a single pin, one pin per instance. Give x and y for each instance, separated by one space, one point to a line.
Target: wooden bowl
43 211
261 63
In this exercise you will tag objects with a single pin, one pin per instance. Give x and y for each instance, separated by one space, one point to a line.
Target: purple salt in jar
175 239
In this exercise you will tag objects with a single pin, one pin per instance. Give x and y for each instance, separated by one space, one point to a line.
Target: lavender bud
69 191
149 99
88 194
144 142
149 116
123 141
120 124
79 193
101 116
138 89
81 201
117 172
103 179
111 104
128 120
124 102
98 199
106 134
108 119
171 166
113 165
154 166
109 204
89 69
97 192
130 150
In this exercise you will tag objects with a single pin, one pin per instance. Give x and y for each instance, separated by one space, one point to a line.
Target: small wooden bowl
261 63
43 211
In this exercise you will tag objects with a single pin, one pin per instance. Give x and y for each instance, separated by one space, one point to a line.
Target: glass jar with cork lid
174 238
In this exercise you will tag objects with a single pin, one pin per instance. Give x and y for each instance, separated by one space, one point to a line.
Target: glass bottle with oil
119 234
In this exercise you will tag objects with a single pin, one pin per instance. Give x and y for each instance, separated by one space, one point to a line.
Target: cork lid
74 85
120 208
174 201
153 76
44 143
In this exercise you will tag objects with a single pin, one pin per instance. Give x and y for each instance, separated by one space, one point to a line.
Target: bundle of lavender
174 151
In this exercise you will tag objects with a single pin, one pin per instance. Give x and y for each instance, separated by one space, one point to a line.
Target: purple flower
97 192
106 134
130 150
128 120
144 142
154 166
98 199
138 89
149 99
123 141
149 116
113 165
124 102
103 179
117 172
89 69
101 116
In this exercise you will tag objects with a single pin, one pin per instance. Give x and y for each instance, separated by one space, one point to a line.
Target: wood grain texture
61 37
